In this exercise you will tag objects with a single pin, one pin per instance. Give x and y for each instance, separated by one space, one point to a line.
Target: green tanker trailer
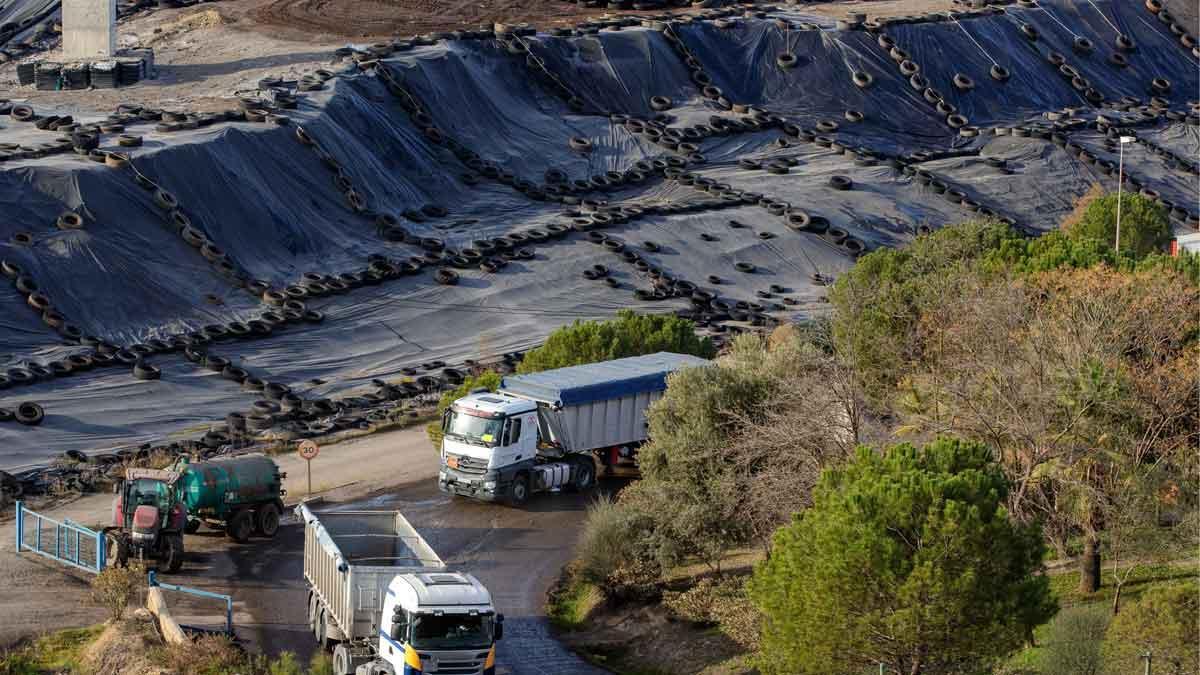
242 495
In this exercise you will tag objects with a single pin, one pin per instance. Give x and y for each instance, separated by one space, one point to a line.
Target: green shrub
320 664
1165 622
907 558
1145 226
629 334
488 379
1073 638
115 587
611 549
285 664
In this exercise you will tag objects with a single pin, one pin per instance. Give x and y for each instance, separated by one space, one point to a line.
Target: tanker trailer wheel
116 552
193 526
172 554
519 490
342 663
240 527
268 520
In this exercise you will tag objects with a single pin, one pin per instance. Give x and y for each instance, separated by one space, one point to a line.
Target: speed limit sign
308 450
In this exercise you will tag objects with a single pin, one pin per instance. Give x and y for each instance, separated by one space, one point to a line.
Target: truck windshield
473 428
452 631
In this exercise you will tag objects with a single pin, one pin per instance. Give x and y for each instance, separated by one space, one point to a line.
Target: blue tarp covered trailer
602 404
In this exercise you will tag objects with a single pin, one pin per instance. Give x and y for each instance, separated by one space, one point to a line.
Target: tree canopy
1145 226
629 334
906 558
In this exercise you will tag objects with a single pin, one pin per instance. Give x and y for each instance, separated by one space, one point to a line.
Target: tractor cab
148 518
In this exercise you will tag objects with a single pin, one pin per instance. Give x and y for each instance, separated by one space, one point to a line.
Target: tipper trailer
542 431
383 601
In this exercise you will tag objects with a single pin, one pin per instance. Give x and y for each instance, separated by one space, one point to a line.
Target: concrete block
167 625
89 29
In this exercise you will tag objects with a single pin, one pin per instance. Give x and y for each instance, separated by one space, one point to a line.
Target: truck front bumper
455 483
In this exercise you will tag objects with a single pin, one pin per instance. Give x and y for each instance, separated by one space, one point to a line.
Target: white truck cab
438 623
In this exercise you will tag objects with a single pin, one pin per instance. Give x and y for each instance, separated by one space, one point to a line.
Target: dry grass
1081 205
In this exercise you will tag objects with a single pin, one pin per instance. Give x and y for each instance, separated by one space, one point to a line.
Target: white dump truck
543 431
383 601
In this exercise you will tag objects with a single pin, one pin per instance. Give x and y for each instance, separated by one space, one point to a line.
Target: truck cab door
528 442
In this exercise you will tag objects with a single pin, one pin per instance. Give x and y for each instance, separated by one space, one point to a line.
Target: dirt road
517 553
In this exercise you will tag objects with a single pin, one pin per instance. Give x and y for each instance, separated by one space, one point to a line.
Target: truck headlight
489 485
442 476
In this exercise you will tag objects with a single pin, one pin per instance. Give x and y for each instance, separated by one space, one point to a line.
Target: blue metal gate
61 541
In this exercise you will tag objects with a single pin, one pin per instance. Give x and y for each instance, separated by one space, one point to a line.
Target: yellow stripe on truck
412 661
489 666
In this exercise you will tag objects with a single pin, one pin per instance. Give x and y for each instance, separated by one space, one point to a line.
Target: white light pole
1120 181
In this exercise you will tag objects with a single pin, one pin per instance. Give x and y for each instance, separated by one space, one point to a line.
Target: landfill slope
272 207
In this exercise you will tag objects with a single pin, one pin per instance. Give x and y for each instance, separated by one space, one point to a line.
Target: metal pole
1147 656
20 524
881 668
1120 179
308 466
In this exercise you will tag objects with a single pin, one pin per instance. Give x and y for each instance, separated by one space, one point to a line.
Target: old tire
267 521
172 557
240 527
116 550
29 413
518 492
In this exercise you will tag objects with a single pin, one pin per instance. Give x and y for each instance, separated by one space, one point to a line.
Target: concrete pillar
89 29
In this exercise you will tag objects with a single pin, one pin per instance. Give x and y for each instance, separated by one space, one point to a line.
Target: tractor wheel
193 526
240 527
116 550
268 520
172 553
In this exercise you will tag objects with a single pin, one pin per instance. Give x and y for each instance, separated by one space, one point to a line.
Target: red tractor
149 518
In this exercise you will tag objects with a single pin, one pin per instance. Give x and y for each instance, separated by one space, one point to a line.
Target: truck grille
459 665
466 464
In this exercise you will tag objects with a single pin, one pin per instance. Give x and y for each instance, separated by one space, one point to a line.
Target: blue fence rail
61 541
200 594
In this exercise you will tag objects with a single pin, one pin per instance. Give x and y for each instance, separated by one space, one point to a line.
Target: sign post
308 451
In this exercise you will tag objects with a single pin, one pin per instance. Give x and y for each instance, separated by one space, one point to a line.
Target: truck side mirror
499 626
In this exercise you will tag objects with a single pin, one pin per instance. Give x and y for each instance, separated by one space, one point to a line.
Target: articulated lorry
543 431
383 601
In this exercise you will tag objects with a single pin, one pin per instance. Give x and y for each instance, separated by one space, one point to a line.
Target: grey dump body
350 557
598 405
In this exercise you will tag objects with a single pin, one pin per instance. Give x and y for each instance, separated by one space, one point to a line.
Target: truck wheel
518 492
116 550
314 610
585 474
268 520
240 527
342 664
322 630
193 526
172 554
